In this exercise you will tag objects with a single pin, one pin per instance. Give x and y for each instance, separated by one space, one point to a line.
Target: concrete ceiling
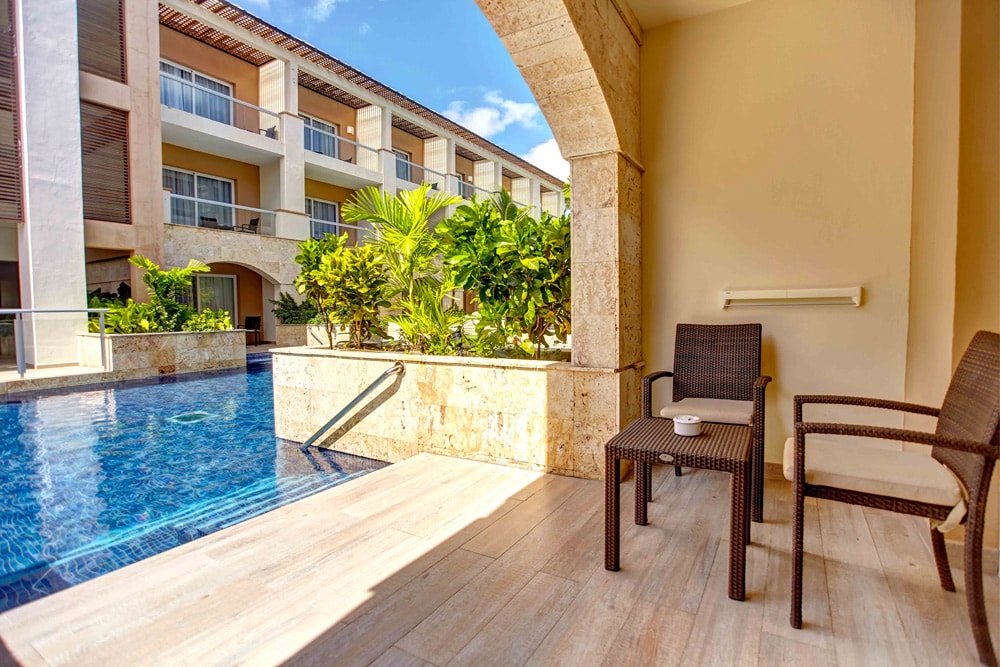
653 13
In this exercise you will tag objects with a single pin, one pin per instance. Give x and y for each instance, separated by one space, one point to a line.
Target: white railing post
104 352
19 344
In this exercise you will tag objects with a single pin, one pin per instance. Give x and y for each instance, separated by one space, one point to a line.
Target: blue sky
442 53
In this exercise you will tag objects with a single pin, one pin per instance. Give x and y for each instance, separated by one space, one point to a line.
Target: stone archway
581 60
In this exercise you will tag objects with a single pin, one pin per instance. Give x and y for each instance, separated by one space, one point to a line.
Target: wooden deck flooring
438 561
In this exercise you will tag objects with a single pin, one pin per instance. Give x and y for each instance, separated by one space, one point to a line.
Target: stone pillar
521 190
439 155
552 202
375 131
51 258
283 181
487 175
607 299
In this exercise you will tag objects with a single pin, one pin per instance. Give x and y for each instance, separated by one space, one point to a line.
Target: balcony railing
334 145
209 214
199 100
320 228
466 190
418 173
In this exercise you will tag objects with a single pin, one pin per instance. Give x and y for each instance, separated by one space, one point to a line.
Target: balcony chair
251 227
209 223
717 377
252 326
949 486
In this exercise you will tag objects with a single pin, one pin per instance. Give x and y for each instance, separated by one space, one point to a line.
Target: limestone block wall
133 356
291 335
529 414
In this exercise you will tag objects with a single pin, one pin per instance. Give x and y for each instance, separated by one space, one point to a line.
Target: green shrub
354 281
290 311
519 268
165 311
209 320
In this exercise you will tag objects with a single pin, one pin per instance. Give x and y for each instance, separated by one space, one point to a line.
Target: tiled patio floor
446 561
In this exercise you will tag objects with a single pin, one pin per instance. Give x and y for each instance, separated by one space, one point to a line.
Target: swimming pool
91 481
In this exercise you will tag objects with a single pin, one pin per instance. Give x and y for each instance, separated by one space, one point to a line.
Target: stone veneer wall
133 356
291 335
514 412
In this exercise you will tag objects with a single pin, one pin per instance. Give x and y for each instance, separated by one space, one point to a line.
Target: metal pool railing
19 313
396 369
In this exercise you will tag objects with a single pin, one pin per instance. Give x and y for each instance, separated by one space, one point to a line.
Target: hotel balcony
210 214
333 159
195 116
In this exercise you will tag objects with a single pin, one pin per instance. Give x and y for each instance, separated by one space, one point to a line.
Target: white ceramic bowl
687 425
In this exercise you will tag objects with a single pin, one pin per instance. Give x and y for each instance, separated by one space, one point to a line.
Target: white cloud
547 157
495 116
364 28
320 10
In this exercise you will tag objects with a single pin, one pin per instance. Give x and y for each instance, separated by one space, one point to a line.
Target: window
217 292
402 165
192 196
321 137
323 217
208 98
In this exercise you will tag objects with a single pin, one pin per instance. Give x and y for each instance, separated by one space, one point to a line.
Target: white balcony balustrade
210 214
201 100
333 145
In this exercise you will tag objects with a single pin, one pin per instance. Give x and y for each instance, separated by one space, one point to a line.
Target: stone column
607 297
487 175
283 181
439 155
51 258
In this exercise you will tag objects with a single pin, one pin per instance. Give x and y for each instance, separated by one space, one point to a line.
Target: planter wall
132 356
523 413
291 335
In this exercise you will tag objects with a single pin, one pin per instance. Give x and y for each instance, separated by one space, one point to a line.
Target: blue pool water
91 481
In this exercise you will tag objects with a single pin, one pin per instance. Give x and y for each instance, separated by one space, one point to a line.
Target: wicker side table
722 447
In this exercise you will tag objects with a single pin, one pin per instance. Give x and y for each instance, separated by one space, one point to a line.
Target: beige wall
249 299
777 140
319 106
464 166
404 141
506 183
183 50
246 176
334 193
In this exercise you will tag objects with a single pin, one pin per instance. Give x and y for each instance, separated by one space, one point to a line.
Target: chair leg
974 587
941 560
795 617
649 481
677 471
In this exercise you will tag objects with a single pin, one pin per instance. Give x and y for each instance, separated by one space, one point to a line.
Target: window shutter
104 139
10 154
101 27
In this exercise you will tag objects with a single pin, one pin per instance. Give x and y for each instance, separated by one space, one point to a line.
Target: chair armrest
647 390
889 433
862 401
762 381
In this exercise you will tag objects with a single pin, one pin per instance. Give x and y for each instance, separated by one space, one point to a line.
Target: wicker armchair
964 452
717 377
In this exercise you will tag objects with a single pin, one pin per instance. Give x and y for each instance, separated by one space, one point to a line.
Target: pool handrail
19 330
396 369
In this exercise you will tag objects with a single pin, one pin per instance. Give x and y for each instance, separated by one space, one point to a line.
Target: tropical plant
165 310
353 283
209 320
167 288
518 266
420 293
311 253
290 311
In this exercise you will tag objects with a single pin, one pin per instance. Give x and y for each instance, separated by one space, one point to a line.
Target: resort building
194 130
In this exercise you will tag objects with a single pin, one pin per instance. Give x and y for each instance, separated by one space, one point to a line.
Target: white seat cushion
718 410
897 474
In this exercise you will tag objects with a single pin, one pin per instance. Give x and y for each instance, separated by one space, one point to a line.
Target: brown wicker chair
965 443
717 377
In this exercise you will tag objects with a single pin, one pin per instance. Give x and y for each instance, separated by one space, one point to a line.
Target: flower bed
132 356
